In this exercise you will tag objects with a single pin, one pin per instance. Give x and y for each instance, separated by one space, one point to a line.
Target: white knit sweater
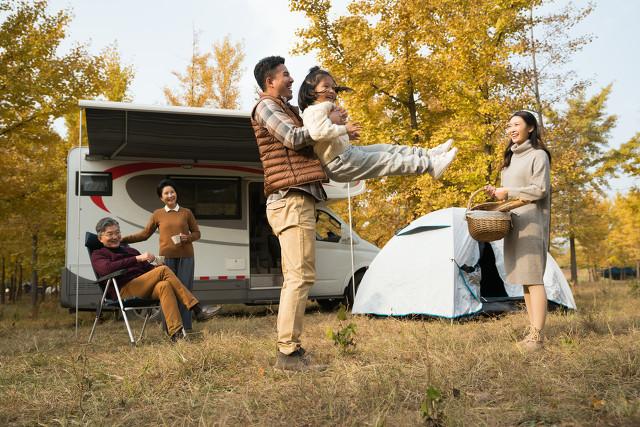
331 140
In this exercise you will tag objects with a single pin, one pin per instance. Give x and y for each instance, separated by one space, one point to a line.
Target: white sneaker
440 163
440 149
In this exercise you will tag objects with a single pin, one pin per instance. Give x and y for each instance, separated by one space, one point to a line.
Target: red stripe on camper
120 171
99 203
241 277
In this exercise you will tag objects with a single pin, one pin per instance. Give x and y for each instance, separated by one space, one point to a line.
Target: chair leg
144 325
124 313
98 312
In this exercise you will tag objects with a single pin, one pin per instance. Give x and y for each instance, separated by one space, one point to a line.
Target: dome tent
433 267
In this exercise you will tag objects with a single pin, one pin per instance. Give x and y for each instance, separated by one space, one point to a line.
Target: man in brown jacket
293 180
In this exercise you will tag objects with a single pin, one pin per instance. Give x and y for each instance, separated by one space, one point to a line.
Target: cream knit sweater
331 140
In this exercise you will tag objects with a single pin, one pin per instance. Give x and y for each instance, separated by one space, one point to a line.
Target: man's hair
165 183
265 68
104 223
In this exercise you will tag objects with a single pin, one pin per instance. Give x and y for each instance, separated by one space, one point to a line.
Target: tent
433 267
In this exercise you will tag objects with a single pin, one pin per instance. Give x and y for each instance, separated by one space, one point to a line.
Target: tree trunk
3 284
19 284
12 284
574 262
413 111
536 77
34 269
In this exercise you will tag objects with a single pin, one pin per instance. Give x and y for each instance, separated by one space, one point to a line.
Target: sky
156 37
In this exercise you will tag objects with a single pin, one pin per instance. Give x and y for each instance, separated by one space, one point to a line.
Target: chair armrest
111 275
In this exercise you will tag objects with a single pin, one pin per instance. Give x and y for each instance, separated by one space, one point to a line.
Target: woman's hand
490 190
184 238
146 256
499 193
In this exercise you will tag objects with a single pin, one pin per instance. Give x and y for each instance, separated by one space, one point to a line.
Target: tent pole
79 198
353 273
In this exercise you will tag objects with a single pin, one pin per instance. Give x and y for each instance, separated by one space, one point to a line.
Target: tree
592 233
227 71
196 84
579 137
423 71
625 234
627 157
39 85
549 51
209 85
113 82
36 83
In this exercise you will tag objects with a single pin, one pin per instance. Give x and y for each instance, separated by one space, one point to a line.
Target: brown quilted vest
283 167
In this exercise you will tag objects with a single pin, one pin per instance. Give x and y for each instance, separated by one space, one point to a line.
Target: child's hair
265 68
307 94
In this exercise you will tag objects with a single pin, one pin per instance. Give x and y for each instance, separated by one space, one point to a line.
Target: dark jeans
183 268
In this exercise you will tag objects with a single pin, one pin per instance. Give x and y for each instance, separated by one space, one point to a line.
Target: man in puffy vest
293 180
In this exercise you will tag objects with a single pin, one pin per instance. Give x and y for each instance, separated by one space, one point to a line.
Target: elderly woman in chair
144 280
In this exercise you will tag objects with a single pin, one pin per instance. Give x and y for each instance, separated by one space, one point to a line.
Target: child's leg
405 150
356 163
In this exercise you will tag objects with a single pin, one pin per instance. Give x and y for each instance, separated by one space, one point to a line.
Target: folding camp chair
128 304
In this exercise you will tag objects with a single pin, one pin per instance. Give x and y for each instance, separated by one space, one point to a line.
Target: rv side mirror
345 236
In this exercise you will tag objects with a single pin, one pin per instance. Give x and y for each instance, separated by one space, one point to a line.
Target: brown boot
533 342
296 361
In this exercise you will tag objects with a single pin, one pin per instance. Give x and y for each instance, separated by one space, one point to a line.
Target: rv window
327 227
95 184
210 197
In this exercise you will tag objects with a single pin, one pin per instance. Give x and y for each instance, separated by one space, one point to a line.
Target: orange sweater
170 223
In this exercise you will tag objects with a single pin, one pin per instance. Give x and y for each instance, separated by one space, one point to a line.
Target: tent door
491 284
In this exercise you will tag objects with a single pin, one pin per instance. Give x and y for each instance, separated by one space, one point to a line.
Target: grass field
401 372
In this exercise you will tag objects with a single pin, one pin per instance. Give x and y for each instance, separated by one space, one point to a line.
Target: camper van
213 158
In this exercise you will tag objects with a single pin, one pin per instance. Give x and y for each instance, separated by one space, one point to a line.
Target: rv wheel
155 314
349 293
329 304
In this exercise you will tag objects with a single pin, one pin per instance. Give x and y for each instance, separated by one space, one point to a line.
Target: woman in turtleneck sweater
525 176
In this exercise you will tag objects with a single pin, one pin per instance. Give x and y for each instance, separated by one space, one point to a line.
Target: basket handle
472 196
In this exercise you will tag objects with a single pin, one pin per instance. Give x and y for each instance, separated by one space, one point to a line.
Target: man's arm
279 124
103 265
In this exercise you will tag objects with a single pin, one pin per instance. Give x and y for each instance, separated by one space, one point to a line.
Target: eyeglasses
111 234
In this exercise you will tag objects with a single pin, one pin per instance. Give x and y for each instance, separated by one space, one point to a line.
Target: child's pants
377 160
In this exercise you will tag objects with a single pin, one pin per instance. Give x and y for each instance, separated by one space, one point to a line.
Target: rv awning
118 130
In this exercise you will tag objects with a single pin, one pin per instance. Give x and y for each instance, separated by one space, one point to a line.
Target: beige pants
293 220
160 283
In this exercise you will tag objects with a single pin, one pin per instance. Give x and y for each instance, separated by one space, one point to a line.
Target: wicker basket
491 220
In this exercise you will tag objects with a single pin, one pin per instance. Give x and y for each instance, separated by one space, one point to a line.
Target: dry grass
589 373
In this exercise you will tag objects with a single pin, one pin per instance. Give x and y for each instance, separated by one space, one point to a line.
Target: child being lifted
344 162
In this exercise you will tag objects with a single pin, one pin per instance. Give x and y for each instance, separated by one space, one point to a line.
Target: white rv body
235 261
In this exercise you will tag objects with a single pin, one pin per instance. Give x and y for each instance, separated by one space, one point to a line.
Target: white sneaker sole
448 159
